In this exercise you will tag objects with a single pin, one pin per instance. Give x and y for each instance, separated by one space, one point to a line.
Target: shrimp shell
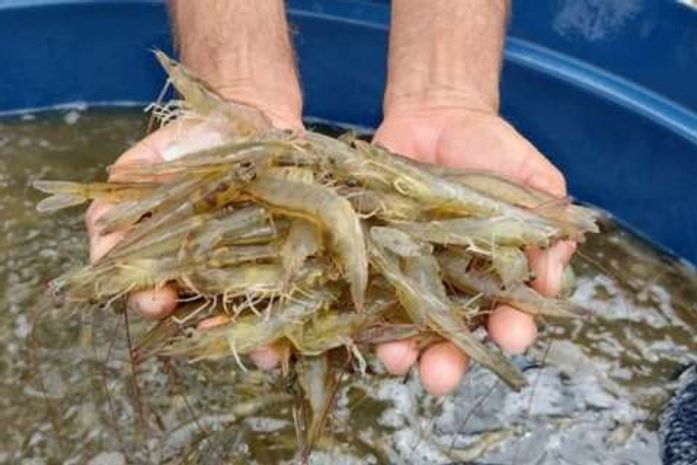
332 212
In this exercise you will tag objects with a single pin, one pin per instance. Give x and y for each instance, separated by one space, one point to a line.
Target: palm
470 140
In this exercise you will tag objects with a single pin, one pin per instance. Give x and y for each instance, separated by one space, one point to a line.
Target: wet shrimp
332 212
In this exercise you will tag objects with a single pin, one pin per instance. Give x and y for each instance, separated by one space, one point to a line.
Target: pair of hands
456 137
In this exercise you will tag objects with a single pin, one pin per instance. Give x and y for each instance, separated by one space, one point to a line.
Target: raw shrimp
319 381
230 226
198 96
510 264
331 329
246 333
223 157
255 281
384 205
68 194
482 233
409 178
339 158
105 280
303 241
520 296
573 219
399 242
162 332
177 192
332 212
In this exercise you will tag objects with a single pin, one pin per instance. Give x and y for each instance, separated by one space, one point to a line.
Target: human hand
251 63
178 137
479 140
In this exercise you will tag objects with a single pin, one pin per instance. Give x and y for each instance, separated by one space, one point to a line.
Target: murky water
69 394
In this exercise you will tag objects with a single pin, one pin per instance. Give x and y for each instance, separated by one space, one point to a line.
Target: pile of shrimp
317 246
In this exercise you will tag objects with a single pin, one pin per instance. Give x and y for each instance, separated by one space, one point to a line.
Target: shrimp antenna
156 104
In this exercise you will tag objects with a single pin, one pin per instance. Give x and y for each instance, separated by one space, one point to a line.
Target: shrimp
167 195
390 332
345 162
320 381
520 296
331 329
217 158
167 240
332 212
246 333
118 276
496 186
384 205
257 234
482 233
574 219
511 265
399 242
254 281
303 240
426 308
198 96
68 194
104 280
215 197
425 271
158 335
233 255
162 234
410 179
231 226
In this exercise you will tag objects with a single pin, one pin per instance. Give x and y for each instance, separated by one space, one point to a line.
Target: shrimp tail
65 194
58 187
58 202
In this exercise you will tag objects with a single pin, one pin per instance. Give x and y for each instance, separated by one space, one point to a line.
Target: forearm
241 49
445 53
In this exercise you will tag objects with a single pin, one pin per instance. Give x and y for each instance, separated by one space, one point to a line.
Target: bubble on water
265 425
71 117
22 326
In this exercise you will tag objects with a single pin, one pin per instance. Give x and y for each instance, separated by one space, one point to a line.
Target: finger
512 330
100 244
149 303
441 368
153 304
548 266
398 356
265 358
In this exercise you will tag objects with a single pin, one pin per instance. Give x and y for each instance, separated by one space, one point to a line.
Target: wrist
437 101
445 54
281 104
275 91
242 50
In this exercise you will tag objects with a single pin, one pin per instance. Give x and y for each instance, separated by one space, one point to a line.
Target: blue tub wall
606 89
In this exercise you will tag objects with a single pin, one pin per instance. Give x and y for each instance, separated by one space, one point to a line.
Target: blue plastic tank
606 89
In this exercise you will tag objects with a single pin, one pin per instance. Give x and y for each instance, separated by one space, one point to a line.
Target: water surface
68 395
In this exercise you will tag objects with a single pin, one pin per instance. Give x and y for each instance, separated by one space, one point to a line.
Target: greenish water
69 394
